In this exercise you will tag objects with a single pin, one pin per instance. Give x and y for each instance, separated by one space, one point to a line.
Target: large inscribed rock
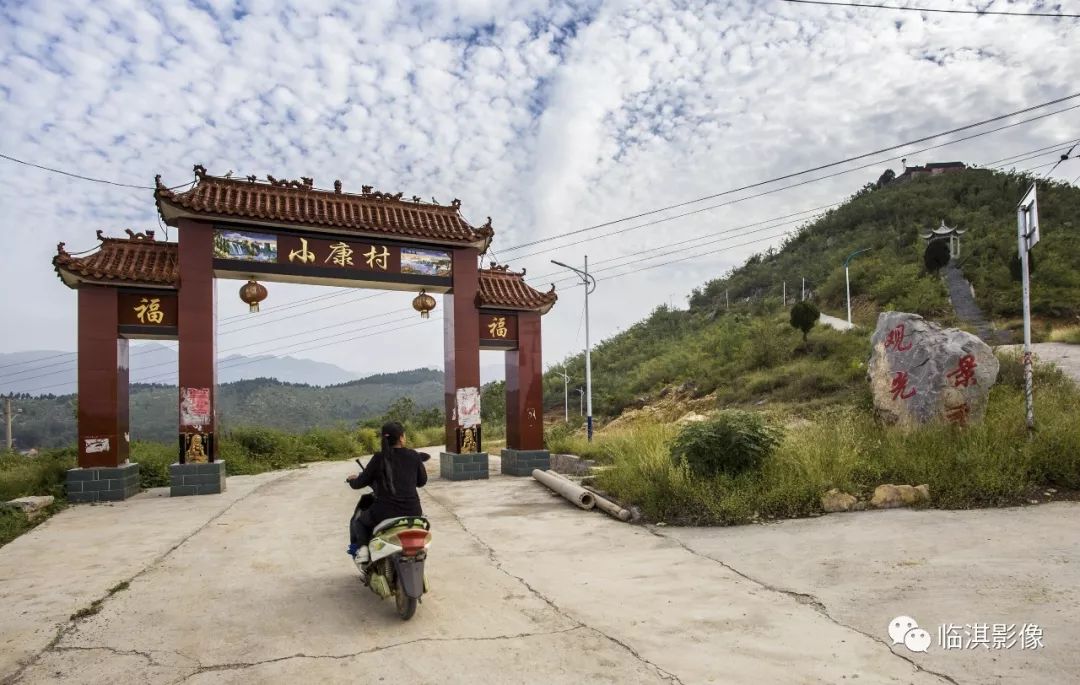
920 372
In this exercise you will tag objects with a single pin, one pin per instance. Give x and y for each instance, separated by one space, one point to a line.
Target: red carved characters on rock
964 373
899 386
895 339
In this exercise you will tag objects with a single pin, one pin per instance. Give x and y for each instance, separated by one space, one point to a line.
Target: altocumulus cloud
548 116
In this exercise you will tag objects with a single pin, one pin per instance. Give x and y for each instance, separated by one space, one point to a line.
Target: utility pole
727 305
784 296
847 279
590 285
803 298
566 394
7 421
1027 235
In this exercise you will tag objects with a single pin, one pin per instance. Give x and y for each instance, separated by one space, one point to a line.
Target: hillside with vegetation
745 352
724 414
49 421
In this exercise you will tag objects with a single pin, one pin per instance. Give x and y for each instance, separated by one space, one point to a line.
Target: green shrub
154 459
803 317
44 474
731 442
368 440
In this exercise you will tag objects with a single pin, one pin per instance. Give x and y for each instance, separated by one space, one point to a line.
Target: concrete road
1064 355
254 586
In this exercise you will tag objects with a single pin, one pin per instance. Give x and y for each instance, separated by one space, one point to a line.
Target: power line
1021 154
934 9
799 173
279 353
697 240
1060 160
824 166
665 219
85 178
877 162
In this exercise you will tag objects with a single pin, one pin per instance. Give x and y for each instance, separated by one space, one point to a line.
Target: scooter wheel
406 605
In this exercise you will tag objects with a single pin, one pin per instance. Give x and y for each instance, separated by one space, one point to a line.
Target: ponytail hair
391 435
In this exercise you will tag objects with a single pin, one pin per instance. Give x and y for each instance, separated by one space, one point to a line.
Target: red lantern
423 303
253 293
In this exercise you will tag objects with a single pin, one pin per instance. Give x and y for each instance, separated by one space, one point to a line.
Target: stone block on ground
102 483
467 466
571 464
920 372
32 506
835 501
522 462
197 479
889 496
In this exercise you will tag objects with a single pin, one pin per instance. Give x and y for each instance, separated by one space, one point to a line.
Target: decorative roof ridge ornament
308 183
132 235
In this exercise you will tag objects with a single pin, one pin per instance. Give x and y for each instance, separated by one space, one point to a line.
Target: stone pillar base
468 466
197 479
102 483
522 462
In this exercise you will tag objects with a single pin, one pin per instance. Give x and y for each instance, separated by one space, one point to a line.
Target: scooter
398 550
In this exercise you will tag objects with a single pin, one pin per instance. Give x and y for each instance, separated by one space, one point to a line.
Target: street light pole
581 401
590 285
847 279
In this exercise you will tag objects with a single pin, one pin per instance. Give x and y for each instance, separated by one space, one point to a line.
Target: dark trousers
364 520
360 527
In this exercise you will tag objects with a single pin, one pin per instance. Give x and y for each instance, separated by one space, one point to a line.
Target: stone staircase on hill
962 296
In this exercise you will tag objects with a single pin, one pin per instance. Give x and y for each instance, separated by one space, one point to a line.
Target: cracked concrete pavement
254 586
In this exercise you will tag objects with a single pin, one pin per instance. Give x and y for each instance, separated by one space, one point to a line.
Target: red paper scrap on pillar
195 406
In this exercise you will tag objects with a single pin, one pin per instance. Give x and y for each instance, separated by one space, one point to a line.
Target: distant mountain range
49 421
51 372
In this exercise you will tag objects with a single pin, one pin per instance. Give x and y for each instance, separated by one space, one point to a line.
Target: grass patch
1067 334
990 464
89 611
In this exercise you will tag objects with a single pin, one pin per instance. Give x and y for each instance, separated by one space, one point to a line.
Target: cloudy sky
547 116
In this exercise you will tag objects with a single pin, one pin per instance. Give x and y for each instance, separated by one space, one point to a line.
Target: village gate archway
289 231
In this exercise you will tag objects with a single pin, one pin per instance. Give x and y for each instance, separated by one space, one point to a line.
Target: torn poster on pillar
96 445
195 406
468 407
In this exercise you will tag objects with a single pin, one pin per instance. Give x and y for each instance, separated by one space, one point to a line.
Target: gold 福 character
149 310
497 327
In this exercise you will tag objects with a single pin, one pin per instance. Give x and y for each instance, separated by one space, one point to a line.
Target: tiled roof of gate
139 259
299 203
135 260
505 289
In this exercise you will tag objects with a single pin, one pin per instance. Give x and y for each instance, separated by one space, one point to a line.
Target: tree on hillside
402 410
803 316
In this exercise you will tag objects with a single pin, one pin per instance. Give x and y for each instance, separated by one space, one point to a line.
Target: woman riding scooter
393 474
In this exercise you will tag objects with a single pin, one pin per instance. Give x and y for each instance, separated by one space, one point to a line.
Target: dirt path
254 586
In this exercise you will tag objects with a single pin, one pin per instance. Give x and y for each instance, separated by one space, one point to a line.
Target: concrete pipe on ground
609 507
575 493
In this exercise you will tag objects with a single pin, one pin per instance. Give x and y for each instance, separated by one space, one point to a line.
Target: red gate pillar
104 473
196 323
525 402
461 349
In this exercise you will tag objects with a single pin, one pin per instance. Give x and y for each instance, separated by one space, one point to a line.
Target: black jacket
409 474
